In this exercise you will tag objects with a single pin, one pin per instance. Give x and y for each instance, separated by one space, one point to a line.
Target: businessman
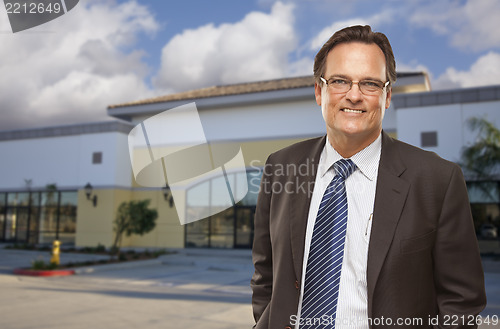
375 233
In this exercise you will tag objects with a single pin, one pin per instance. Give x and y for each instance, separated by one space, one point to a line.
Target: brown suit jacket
423 258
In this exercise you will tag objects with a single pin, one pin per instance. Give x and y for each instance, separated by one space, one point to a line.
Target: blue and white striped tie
324 264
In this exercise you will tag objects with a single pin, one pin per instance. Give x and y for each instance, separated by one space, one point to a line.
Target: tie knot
344 168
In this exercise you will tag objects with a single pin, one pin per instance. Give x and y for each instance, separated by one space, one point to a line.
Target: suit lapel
390 197
300 202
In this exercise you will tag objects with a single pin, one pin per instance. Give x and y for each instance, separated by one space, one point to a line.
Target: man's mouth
352 110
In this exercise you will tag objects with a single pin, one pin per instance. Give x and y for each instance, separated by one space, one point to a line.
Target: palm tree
481 159
480 162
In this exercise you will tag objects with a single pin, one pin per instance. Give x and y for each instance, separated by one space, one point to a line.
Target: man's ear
317 93
388 98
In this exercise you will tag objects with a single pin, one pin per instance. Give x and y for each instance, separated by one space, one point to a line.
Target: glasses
367 87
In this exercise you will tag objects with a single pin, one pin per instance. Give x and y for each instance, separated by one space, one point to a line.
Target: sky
106 52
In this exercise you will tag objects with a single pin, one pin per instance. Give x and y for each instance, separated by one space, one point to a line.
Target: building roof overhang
251 93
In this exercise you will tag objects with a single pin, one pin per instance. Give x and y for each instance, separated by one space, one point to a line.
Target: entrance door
243 233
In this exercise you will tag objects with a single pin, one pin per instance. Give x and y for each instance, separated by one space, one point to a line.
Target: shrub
40 265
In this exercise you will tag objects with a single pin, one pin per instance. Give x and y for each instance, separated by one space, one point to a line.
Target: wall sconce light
166 192
88 192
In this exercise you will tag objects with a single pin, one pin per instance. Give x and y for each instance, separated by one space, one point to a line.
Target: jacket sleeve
458 273
262 279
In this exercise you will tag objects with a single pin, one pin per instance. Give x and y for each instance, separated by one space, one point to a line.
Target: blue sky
111 51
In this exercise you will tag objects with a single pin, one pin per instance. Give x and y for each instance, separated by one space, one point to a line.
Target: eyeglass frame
352 82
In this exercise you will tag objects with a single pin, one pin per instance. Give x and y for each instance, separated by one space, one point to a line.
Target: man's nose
354 94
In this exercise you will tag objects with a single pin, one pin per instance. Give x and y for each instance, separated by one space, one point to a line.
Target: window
96 157
428 139
484 197
38 217
229 226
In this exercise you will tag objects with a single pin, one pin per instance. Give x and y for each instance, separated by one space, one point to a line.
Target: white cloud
325 34
255 48
71 68
375 20
485 71
471 26
301 67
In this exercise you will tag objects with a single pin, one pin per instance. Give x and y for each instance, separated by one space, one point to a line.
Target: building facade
42 195
438 121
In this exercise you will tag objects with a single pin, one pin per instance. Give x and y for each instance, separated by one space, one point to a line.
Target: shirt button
297 284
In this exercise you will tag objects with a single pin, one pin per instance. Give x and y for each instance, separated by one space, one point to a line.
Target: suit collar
301 201
390 158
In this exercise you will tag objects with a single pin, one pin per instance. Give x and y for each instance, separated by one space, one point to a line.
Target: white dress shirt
352 304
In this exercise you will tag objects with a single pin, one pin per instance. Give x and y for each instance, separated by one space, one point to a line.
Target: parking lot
206 289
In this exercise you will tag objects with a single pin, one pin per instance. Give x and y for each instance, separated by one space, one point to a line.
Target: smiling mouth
352 111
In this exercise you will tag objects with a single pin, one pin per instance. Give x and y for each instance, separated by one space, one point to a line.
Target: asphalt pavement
193 288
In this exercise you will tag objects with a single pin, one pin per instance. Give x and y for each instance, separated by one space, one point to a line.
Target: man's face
354 115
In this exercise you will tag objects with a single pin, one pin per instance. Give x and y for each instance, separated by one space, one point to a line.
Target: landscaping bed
40 267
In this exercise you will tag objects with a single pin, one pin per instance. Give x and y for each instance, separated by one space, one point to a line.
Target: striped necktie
324 264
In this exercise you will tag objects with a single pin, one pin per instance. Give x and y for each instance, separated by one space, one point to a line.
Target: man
399 248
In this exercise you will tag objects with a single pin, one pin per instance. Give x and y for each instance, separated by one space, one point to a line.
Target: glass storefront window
69 199
2 199
10 224
244 226
240 181
219 195
67 219
50 198
46 237
484 213
485 206
34 224
18 199
22 224
197 233
200 226
253 179
34 198
228 221
483 192
2 222
32 217
198 201
48 219
222 229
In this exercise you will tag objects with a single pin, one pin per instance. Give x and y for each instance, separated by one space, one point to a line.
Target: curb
22 271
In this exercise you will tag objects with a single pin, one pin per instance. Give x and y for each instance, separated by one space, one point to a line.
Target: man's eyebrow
342 76
339 76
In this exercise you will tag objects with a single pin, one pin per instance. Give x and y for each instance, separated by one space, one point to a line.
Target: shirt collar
367 160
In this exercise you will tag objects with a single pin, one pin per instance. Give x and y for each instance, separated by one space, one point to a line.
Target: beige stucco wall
95 224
